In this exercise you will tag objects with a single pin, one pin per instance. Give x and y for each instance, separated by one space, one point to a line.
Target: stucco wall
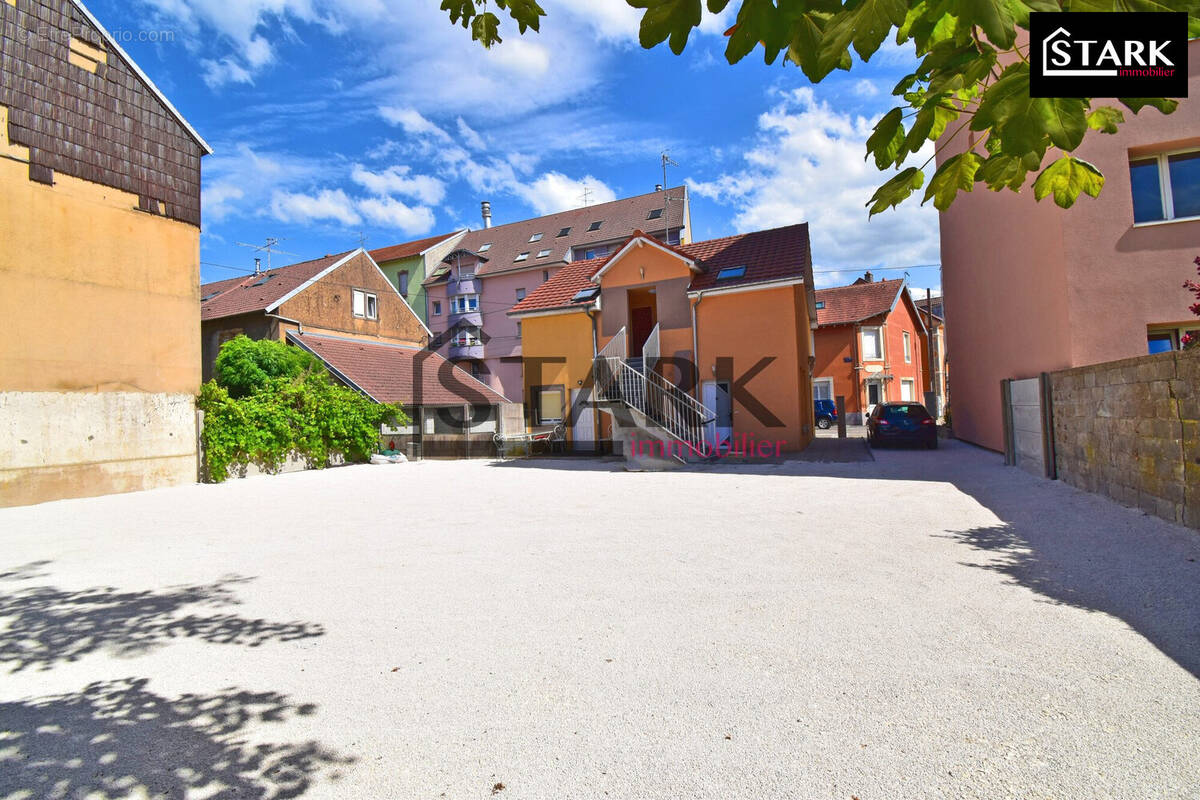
1131 430
1033 288
558 336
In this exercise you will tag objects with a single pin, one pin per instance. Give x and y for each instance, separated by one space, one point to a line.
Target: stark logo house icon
1108 54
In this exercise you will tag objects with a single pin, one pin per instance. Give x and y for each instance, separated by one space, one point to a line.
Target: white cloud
301 208
394 214
553 192
470 136
807 165
239 179
864 88
401 181
412 122
220 73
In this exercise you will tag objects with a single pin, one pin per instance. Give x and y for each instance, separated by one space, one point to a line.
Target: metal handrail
659 400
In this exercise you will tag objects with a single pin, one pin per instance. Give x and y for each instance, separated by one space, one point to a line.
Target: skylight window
820 305
485 248
261 281
585 295
731 273
595 226
522 257
543 253
208 297
537 237
564 232
655 214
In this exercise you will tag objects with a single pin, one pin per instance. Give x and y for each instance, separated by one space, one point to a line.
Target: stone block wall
1131 430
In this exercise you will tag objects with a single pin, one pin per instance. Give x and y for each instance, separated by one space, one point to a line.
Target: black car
908 423
826 412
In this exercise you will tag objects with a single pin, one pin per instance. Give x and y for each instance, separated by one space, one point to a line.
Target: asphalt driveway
930 624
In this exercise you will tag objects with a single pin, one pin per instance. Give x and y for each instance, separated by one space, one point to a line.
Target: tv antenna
667 162
586 197
270 247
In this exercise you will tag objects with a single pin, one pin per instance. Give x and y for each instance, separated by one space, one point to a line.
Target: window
563 232
484 248
872 344
522 257
820 305
543 253
822 388
907 353
545 275
595 226
520 295
466 273
437 308
1165 186
596 252
364 304
464 303
549 404
730 273
465 337
655 214
518 329
537 237
1161 342
907 389
262 281
402 283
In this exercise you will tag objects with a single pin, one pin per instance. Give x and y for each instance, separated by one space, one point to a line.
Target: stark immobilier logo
1134 54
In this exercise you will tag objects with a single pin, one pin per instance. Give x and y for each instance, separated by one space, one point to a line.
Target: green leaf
1063 118
1066 179
1163 104
865 25
669 19
896 191
527 13
459 9
485 29
1105 119
956 174
1002 171
994 17
929 123
885 142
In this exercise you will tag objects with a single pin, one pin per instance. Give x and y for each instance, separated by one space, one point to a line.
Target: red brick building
869 344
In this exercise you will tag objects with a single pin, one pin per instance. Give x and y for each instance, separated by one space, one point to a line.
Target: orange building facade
724 327
870 346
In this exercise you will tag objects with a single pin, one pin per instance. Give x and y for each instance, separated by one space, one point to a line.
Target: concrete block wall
1131 430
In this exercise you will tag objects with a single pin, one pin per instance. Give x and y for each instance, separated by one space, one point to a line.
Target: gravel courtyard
931 624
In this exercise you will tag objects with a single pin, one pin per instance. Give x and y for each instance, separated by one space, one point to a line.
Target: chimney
487 214
658 187
257 266
868 277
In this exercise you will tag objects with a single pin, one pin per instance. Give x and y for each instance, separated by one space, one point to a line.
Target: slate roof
620 219
387 372
248 293
771 255
395 252
845 305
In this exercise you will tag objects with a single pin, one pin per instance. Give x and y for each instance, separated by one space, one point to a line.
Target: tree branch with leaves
972 73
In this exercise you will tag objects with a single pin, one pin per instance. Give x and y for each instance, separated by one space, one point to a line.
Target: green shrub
292 406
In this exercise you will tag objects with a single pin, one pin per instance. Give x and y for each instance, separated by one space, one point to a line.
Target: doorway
718 400
875 394
583 422
643 316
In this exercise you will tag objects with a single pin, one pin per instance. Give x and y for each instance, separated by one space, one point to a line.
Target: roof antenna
362 240
667 162
269 248
586 197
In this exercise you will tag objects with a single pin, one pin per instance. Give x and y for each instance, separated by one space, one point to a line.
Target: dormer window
537 237
820 305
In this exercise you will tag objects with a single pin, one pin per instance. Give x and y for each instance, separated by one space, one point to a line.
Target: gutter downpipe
295 322
696 349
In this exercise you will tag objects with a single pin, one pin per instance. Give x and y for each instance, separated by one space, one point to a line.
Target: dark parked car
826 411
908 423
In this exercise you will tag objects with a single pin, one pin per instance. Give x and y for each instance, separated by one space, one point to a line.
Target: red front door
641 323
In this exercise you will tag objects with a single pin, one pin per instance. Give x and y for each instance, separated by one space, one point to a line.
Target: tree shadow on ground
42 625
118 739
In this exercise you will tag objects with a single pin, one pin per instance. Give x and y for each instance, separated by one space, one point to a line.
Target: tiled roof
845 305
258 292
620 219
386 372
771 255
409 249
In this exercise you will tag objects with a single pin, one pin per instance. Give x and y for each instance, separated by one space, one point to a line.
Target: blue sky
333 119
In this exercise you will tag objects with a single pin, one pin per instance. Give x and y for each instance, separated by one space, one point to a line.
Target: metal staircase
651 404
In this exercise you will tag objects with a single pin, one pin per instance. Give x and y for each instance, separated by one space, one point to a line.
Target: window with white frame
907 347
464 303
1164 340
364 304
465 337
550 403
907 390
822 388
437 308
872 344
1165 186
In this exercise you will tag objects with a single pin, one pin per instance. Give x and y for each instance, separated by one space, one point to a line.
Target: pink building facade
1032 288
